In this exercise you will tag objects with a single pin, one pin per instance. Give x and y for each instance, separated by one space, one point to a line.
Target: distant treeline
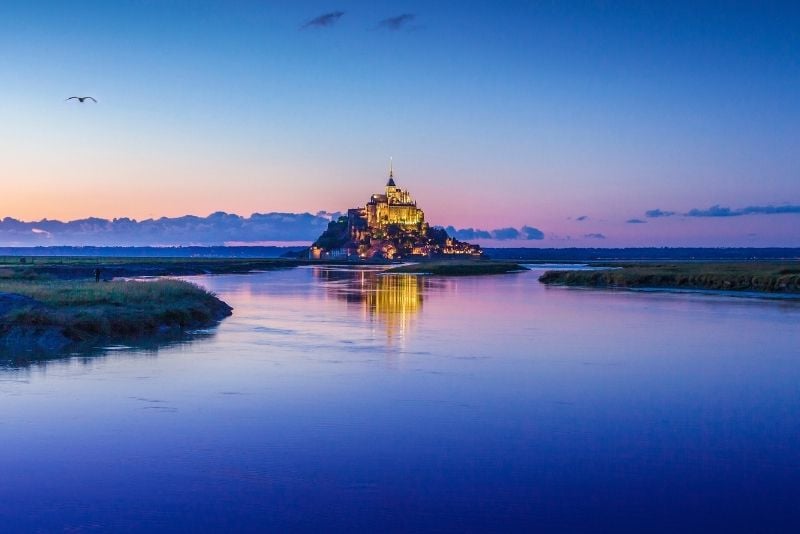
155 252
656 254
518 254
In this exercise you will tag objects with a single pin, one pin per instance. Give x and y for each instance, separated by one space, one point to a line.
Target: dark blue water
345 401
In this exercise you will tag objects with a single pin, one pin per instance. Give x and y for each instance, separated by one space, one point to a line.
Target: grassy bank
459 268
56 313
75 268
766 277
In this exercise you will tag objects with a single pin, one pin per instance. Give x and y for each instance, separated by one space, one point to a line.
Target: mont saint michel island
390 226
573 307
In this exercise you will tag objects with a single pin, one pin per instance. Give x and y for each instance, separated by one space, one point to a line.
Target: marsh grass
76 268
84 309
459 268
751 276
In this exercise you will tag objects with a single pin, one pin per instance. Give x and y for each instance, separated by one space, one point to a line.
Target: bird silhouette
81 99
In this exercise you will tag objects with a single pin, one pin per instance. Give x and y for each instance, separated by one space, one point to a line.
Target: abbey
389 226
394 207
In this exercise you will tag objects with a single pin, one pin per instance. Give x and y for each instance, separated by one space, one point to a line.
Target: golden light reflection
393 300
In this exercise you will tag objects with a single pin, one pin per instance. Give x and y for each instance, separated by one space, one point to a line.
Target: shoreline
52 316
458 268
743 295
761 278
55 304
52 304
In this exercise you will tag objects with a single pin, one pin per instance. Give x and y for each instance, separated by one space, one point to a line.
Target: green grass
767 277
83 310
59 267
459 268
33 261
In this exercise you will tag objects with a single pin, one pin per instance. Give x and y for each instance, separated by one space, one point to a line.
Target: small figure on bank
97 274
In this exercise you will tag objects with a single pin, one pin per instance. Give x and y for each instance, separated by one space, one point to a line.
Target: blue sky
496 114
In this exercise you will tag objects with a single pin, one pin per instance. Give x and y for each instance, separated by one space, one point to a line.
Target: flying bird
81 99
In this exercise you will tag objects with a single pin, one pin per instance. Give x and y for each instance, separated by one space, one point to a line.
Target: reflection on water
13 358
393 299
348 401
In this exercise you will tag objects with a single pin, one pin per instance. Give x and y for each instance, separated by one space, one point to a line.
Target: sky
594 123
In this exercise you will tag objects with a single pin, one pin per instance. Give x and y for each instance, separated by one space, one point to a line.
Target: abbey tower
394 207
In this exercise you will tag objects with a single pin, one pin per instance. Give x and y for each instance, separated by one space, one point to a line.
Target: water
336 400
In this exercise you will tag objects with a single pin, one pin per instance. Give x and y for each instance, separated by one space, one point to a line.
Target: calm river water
336 400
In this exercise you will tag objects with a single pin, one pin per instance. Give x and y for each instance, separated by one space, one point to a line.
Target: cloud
467 234
721 211
216 229
325 20
500 234
329 215
506 233
770 210
529 232
582 218
594 236
398 22
658 213
713 211
39 231
635 221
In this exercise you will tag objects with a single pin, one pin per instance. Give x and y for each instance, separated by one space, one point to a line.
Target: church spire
391 183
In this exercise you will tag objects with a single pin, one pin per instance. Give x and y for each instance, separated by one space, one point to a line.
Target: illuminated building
394 207
389 226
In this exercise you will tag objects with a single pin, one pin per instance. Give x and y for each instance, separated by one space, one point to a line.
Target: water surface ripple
341 400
